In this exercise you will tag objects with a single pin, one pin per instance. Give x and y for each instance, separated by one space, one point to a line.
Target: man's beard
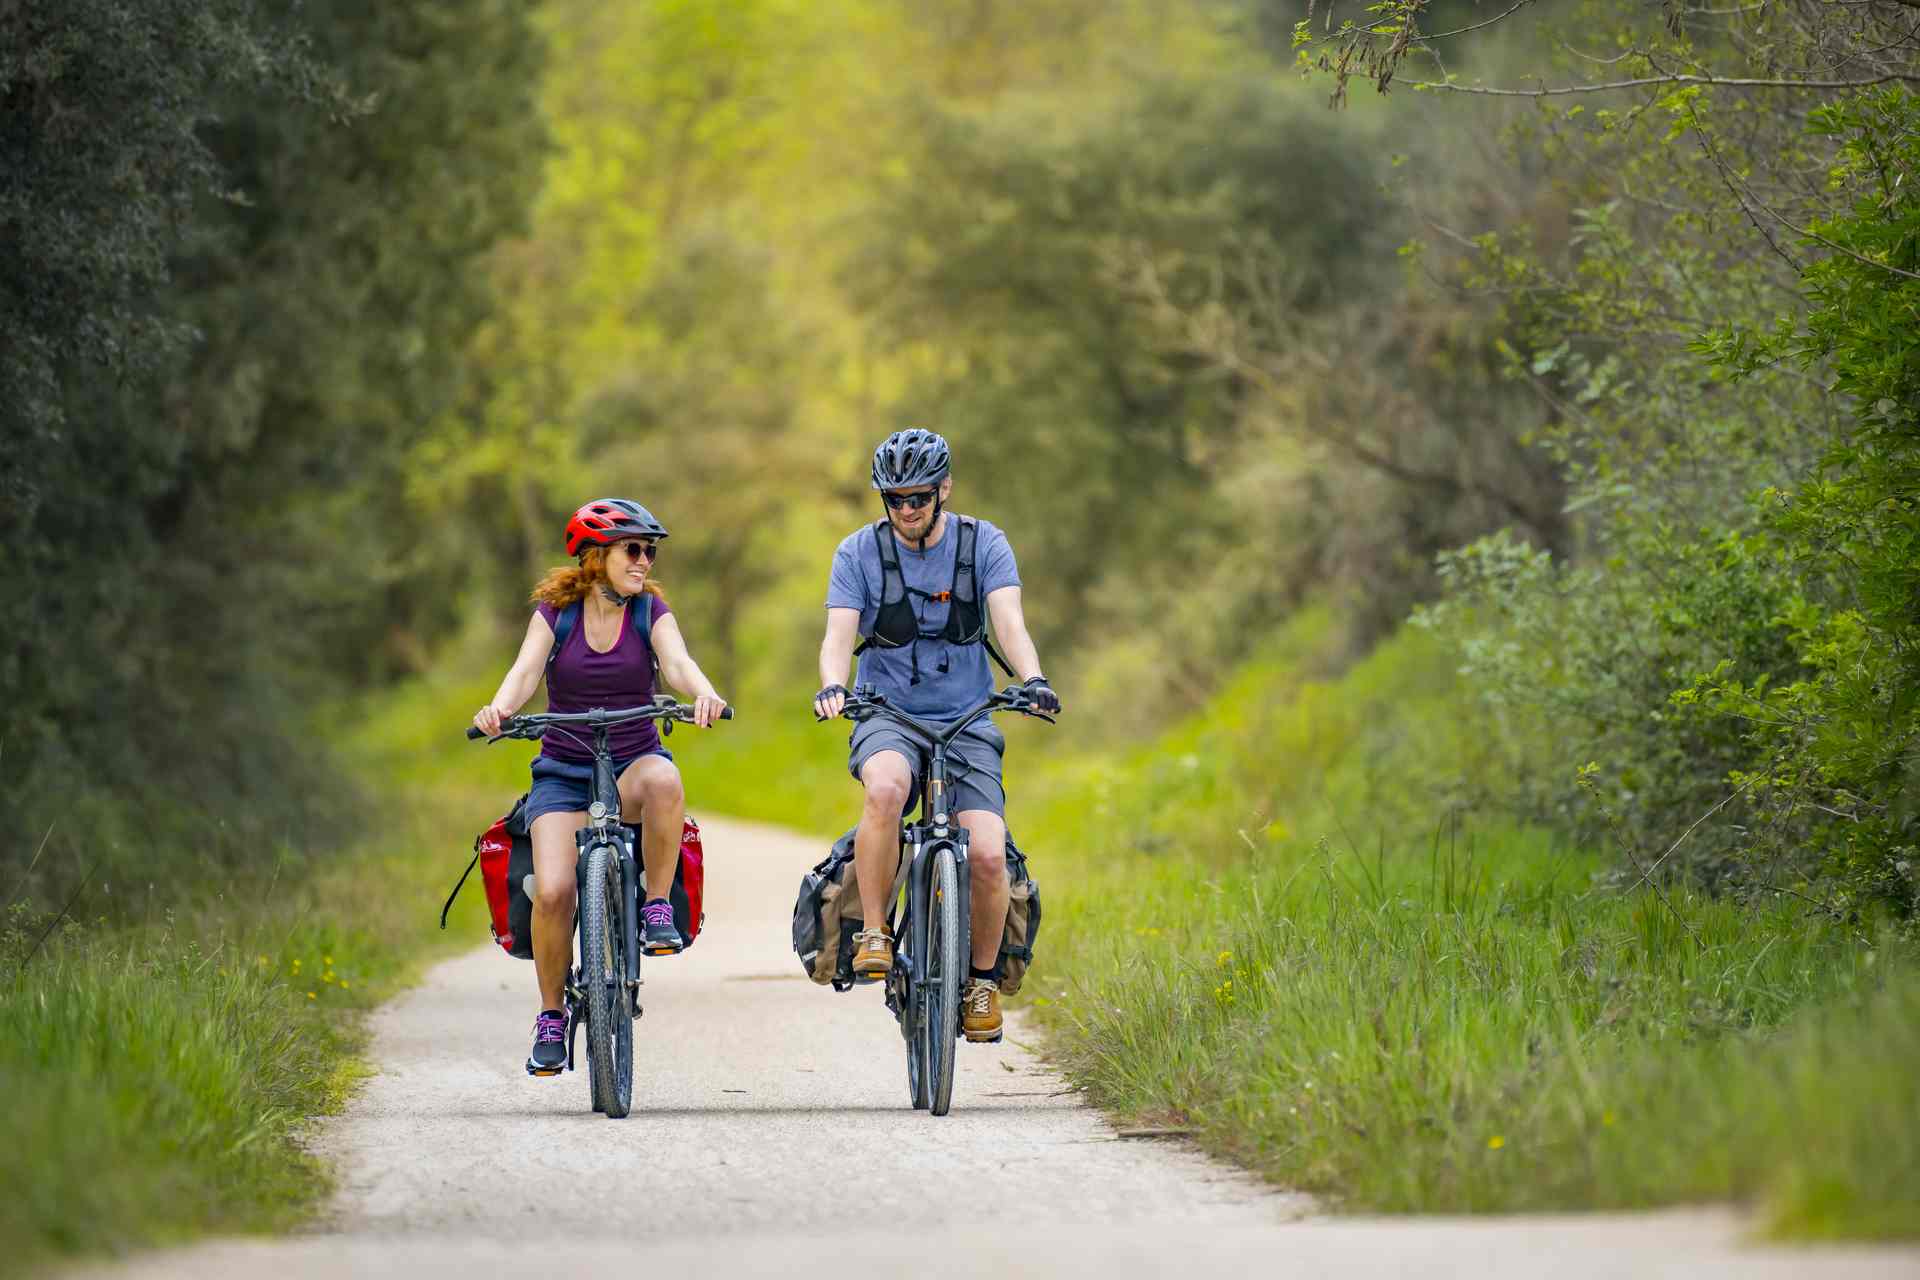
926 530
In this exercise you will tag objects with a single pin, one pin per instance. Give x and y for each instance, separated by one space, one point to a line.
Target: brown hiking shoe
980 1011
872 954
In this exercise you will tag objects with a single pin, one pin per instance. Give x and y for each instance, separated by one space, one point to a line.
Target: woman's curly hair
569 583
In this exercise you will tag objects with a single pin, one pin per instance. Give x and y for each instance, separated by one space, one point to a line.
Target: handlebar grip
726 713
473 731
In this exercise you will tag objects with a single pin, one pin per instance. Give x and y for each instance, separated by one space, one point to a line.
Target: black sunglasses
912 501
640 550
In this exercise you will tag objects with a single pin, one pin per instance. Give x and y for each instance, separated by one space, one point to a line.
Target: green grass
159 1070
1277 926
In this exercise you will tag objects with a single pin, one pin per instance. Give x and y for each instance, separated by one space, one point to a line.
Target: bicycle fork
589 838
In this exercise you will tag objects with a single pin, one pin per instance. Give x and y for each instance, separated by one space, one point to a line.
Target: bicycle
609 880
933 932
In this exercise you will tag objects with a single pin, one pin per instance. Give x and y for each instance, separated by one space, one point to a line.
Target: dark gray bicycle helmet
910 458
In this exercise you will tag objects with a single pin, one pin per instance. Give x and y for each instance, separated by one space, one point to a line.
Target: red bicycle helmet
605 521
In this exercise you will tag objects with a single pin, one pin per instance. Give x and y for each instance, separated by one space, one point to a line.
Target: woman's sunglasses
640 550
912 501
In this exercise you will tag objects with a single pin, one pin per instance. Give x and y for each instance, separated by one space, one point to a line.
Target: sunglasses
640 550
910 501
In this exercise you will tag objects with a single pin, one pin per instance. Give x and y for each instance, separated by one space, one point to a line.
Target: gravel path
772 1135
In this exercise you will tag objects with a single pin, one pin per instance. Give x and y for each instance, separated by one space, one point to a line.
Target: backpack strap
563 625
893 612
966 587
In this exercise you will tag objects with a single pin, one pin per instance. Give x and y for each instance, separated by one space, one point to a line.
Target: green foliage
1844 739
244 247
1271 926
1729 357
163 1066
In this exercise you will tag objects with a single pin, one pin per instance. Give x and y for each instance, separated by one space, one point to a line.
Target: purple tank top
581 680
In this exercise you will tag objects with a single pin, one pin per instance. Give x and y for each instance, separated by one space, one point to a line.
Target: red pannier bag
504 853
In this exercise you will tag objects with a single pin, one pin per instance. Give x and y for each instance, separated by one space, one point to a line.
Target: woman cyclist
619 636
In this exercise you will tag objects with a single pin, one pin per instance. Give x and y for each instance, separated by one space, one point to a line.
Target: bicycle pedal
543 1072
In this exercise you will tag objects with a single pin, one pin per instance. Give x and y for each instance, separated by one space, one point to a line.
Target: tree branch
1644 81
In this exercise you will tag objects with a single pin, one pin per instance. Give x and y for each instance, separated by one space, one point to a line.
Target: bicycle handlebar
863 703
527 726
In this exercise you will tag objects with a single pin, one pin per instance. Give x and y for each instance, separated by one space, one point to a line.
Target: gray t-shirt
855 584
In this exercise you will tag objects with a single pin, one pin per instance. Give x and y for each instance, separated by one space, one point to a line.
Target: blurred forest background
318 321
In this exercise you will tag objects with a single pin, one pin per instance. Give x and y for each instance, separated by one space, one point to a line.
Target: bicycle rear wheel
941 1023
603 977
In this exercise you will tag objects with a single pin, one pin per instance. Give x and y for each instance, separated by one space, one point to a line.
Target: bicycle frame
604 827
911 995
589 996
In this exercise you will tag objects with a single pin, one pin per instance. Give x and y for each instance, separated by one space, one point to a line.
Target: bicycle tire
941 1024
603 974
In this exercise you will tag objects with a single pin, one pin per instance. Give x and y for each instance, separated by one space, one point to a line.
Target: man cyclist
914 585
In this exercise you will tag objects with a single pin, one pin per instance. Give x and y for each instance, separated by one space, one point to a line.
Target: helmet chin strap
933 521
613 597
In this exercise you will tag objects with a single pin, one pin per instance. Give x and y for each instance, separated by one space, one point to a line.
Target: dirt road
772 1135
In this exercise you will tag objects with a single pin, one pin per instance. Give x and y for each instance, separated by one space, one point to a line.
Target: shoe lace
873 939
550 1028
980 998
659 911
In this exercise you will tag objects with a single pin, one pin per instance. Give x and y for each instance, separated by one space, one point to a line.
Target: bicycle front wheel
603 978
941 1024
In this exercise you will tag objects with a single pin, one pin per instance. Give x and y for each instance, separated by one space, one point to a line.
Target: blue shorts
566 786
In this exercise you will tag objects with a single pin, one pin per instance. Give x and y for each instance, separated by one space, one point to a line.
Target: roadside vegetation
165 1061
1474 534
1278 927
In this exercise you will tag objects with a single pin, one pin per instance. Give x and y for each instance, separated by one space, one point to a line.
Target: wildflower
313 995
329 960
1222 958
343 986
1496 1142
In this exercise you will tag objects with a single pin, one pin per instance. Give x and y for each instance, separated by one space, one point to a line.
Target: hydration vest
896 623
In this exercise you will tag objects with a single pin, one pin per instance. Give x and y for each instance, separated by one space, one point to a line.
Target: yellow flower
1607 1118
1496 1142
328 959
343 986
313 995
1222 958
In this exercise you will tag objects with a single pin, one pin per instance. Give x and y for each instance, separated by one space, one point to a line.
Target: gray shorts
973 762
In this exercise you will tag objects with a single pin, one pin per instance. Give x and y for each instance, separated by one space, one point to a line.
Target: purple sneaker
549 1044
659 937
